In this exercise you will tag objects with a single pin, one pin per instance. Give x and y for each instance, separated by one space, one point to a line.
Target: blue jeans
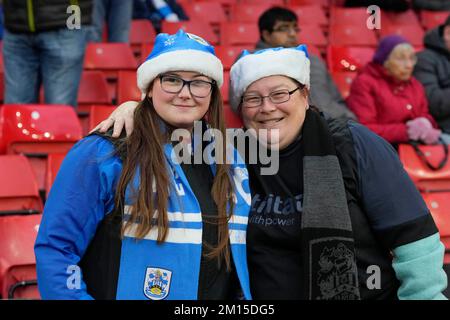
53 58
117 14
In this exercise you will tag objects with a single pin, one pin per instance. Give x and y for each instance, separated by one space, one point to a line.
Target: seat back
229 54
239 34
211 12
414 33
54 161
37 130
424 178
352 35
93 89
98 114
17 261
343 81
19 193
439 205
127 88
343 58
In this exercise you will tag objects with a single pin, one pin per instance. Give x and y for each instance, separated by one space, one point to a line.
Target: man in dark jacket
44 42
278 28
433 71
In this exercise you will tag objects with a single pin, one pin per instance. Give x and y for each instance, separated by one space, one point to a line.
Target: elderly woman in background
389 100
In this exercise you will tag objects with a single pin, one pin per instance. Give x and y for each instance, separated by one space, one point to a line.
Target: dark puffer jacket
29 16
433 71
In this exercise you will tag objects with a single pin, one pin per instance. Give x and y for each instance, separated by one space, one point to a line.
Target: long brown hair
145 147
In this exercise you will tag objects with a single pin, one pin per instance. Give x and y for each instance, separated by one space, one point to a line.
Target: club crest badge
157 283
337 275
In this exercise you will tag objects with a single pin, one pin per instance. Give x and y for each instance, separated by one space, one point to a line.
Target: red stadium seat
406 18
310 15
439 205
248 12
349 16
93 89
20 214
197 27
312 35
109 58
19 193
146 48
127 87
239 34
37 130
432 19
141 31
211 12
424 178
225 86
98 114
232 120
348 58
343 81
17 260
352 35
413 33
229 54
54 161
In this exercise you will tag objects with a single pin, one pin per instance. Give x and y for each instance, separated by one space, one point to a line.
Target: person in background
134 219
433 71
117 14
278 27
389 100
39 48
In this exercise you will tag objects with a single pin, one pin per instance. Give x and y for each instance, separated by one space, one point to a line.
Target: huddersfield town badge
157 283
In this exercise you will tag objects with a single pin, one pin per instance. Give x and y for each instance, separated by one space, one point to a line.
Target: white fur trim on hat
290 62
180 60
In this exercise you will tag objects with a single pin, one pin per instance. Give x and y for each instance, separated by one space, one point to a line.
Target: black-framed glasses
276 97
174 84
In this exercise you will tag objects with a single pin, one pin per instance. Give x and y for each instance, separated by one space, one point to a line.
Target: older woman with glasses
389 100
126 219
340 220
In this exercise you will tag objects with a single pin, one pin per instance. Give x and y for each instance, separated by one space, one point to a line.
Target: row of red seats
312 12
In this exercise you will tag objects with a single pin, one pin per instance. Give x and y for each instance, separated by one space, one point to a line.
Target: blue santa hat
179 52
290 62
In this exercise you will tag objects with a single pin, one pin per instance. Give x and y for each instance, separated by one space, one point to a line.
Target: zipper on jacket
30 16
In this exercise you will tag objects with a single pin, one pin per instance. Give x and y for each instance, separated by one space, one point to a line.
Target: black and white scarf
329 262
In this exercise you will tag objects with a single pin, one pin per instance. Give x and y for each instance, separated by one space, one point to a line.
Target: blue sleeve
418 266
83 192
393 205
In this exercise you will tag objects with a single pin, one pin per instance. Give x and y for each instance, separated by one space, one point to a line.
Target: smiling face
180 110
283 120
401 61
